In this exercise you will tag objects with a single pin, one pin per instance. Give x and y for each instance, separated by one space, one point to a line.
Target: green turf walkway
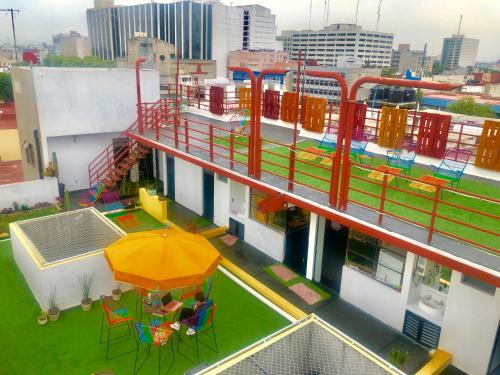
71 345
467 184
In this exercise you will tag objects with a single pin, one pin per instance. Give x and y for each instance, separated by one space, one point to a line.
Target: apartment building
325 46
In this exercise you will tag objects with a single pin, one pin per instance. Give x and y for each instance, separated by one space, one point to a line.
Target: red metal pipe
138 63
334 184
291 174
258 110
446 259
251 138
400 82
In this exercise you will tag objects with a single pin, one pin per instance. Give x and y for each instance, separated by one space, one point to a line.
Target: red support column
291 166
211 143
186 134
382 199
231 149
434 211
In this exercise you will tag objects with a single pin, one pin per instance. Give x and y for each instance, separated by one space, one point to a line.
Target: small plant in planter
85 281
43 318
53 308
398 358
117 292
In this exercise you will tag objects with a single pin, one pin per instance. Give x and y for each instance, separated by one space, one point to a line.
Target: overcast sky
411 21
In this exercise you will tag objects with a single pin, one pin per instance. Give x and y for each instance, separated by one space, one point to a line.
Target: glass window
275 220
478 284
196 31
382 262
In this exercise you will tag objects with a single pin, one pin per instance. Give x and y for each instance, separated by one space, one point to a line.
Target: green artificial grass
299 279
145 221
6 219
467 184
241 141
71 345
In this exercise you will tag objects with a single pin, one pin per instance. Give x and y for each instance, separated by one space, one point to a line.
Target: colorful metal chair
329 141
152 336
115 316
358 151
402 160
452 167
202 322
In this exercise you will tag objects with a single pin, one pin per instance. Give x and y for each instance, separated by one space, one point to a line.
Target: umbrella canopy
162 259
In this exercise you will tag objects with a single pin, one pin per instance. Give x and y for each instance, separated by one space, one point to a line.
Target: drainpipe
138 63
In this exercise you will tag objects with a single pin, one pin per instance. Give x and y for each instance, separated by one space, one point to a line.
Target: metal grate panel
70 234
309 349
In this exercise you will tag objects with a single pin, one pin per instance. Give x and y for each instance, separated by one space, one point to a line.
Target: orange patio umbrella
162 259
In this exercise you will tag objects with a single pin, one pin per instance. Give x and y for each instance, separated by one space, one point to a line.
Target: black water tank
376 93
397 95
387 92
409 95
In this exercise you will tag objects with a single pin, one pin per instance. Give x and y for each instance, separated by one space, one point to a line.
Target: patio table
379 172
428 183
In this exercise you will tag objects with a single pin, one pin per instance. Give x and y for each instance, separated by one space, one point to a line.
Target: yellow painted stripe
439 362
210 233
264 290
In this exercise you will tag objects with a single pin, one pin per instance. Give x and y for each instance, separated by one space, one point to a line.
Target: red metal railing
429 211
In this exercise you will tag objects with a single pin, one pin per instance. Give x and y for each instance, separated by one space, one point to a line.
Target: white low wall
29 192
63 276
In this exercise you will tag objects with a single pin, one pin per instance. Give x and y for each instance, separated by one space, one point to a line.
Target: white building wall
468 52
376 298
221 201
470 324
262 29
90 100
29 192
227 34
74 154
269 241
189 185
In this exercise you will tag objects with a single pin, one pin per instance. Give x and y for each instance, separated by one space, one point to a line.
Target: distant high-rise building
205 30
71 44
459 51
327 45
404 58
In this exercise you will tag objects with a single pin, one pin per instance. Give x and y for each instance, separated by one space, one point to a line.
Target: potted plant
42 318
53 309
398 358
117 292
85 281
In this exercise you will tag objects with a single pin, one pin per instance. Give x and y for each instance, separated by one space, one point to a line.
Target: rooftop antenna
378 13
327 12
310 12
357 8
459 25
11 11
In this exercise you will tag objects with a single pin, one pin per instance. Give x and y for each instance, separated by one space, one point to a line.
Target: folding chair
152 336
115 316
202 322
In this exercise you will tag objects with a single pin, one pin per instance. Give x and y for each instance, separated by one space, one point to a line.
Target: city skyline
433 20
